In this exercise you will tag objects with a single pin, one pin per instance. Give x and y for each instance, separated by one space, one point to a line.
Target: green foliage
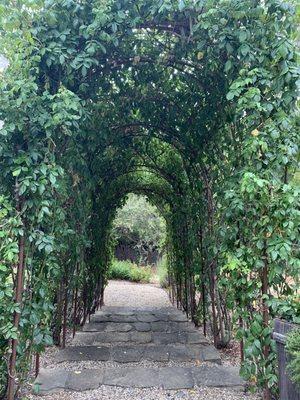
126 270
293 348
191 104
9 227
162 272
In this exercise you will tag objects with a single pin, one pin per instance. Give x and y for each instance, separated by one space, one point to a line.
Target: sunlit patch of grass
126 270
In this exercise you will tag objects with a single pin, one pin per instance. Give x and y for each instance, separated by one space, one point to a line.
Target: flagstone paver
172 378
130 337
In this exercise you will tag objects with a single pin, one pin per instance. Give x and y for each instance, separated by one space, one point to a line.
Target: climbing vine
190 103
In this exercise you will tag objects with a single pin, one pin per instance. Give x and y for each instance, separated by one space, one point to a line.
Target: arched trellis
84 68
160 197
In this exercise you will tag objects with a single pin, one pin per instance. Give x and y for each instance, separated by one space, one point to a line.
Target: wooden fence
287 389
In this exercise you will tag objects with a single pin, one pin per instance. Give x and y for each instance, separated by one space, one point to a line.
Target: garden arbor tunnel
188 102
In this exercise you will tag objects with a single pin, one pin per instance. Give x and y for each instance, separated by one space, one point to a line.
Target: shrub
126 270
162 272
293 348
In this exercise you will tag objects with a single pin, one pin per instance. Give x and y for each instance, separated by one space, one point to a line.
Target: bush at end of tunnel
126 270
162 272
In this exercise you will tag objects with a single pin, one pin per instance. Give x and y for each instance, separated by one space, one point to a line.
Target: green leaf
228 65
181 5
242 36
17 172
3 267
48 248
52 179
230 96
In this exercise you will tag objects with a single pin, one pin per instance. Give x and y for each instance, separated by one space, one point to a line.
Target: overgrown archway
191 103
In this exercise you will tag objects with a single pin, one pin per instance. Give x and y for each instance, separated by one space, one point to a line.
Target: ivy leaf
181 5
228 65
17 172
229 95
242 36
244 49
3 267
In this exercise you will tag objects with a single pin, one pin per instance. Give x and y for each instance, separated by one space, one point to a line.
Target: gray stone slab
182 337
170 378
209 353
142 326
111 337
196 337
165 310
118 327
114 317
122 318
160 326
216 376
160 316
173 378
50 380
94 327
126 313
178 317
183 353
85 379
164 338
141 337
147 317
83 353
183 326
85 338
126 354
132 377
159 353
100 318
118 310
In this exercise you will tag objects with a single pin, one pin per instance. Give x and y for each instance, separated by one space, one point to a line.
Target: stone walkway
181 356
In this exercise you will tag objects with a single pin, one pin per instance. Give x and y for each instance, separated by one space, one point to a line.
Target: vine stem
75 303
265 312
65 314
17 315
37 364
203 294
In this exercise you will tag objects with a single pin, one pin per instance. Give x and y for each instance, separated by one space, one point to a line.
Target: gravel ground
115 393
137 295
120 293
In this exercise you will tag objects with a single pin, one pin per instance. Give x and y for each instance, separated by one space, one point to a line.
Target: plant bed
126 270
287 389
